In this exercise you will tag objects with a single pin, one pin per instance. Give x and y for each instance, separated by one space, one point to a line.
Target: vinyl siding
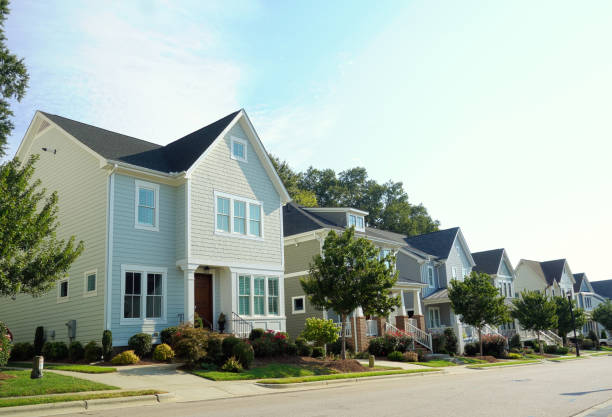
296 322
181 221
82 190
145 248
298 257
456 258
218 172
526 279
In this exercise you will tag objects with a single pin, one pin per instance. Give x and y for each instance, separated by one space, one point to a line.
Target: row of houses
204 226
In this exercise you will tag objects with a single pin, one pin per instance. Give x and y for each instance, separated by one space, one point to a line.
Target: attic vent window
239 149
357 221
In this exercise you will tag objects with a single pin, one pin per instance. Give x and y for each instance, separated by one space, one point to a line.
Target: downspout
109 249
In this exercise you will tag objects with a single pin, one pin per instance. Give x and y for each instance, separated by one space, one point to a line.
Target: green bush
494 345
167 334
396 356
336 347
438 342
452 344
271 343
198 323
163 353
93 352
593 336
22 351
513 355
321 332
317 352
303 348
39 340
376 346
227 346
244 353
587 344
55 351
529 351
562 350
256 334
190 351
471 349
5 344
411 356
603 334
76 351
214 352
141 344
107 344
125 358
292 349
515 342
550 349
231 365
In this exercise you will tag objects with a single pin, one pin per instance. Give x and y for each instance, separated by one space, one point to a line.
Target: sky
494 115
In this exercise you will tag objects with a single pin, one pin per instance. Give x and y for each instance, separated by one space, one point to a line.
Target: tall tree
603 314
32 258
349 275
535 312
478 302
13 80
291 180
565 324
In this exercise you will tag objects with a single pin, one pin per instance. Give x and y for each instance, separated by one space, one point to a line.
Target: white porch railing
347 329
558 340
417 335
240 327
548 337
371 328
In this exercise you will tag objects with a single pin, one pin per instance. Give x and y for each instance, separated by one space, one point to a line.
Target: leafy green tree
603 314
31 256
13 80
478 302
320 331
291 181
565 324
536 312
349 275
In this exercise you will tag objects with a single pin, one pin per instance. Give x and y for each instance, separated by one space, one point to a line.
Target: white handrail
347 328
240 327
416 334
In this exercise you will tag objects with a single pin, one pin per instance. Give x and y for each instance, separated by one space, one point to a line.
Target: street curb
487 368
346 380
85 405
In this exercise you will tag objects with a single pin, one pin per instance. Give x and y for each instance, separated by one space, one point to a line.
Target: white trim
86 274
59 287
188 218
337 210
431 284
357 216
282 235
430 310
293 310
251 315
108 290
138 184
144 270
234 266
243 142
248 202
297 274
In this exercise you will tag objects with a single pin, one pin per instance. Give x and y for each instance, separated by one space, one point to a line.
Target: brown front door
203 297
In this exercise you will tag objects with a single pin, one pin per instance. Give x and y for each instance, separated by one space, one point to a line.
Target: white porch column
416 303
359 312
402 309
189 300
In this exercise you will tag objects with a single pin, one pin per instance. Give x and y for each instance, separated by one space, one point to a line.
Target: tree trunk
598 335
540 344
343 334
480 339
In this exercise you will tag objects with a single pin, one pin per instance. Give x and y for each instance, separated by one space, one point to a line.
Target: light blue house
191 227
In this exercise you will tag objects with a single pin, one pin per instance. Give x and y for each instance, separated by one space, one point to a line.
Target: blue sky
495 115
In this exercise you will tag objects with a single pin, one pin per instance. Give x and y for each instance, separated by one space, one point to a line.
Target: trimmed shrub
198 323
513 355
336 347
421 355
396 356
515 342
76 351
550 349
22 351
163 353
603 334
471 349
5 344
214 353
587 344
55 351
125 358
317 352
376 346
303 348
231 365
493 345
107 344
256 334
411 356
190 350
593 336
529 351
39 340
93 352
404 344
244 353
562 350
452 344
320 331
141 344
292 349
438 342
390 342
227 346
271 343
263 347
167 334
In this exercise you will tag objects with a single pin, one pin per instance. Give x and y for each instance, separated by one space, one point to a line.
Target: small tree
478 302
535 312
320 331
603 314
351 274
31 257
565 324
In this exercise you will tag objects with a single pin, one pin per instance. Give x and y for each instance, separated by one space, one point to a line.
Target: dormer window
239 149
357 221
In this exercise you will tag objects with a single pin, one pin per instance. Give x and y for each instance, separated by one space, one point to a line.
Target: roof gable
437 243
603 288
488 261
553 270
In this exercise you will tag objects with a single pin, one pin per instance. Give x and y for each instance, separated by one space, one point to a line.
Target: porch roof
440 296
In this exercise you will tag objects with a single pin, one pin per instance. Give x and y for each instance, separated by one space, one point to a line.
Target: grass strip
14 402
86 369
564 358
436 363
268 371
353 375
494 364
50 383
601 354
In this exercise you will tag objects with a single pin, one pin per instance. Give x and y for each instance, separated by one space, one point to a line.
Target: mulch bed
343 366
6 376
490 359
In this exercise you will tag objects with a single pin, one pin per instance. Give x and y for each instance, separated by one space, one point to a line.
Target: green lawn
50 383
606 348
267 371
467 360
342 376
86 369
13 402
490 365
436 363
564 358
601 354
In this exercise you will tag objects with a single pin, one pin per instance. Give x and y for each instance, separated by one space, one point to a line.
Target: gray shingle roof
437 243
440 294
578 281
177 156
603 288
488 261
552 270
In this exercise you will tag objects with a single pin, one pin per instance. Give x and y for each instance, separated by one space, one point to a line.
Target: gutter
109 248
136 168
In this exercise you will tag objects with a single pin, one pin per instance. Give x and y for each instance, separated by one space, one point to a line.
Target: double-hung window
357 221
239 149
154 296
273 296
90 284
147 205
62 290
434 317
132 295
238 216
143 294
259 296
244 295
430 277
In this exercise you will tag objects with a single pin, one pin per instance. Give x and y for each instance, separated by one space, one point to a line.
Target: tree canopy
603 314
478 302
13 80
31 256
387 204
536 312
565 324
351 274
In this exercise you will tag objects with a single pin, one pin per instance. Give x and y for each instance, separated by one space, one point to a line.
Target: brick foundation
400 322
380 325
362 339
420 320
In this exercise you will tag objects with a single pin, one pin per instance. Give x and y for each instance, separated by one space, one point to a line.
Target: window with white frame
434 317
62 290
259 296
244 295
382 254
357 221
147 206
454 272
298 304
91 285
465 272
238 216
430 277
143 294
273 304
239 149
